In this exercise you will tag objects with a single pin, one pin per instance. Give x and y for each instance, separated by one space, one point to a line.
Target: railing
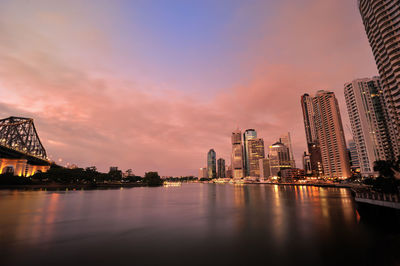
373 195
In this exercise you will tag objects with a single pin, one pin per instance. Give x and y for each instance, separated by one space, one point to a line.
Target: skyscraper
287 141
369 123
311 135
381 24
329 128
221 168
212 164
255 153
237 154
279 158
248 135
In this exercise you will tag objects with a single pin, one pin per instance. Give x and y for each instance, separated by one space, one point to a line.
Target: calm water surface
195 224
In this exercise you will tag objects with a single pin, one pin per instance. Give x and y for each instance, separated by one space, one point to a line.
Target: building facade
203 173
369 123
265 169
248 135
382 26
279 158
221 168
329 128
212 164
237 155
307 164
311 135
255 153
287 141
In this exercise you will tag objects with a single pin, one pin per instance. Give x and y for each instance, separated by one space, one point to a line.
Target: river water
194 224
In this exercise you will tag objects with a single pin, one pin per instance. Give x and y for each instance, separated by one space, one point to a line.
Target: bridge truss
19 133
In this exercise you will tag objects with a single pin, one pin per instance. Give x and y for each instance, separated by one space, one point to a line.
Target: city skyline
101 94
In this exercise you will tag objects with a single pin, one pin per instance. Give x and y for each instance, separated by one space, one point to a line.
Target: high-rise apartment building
255 153
248 135
382 25
279 158
212 164
287 141
369 122
311 135
237 154
329 128
221 168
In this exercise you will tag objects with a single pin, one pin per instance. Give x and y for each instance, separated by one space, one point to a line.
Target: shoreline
131 185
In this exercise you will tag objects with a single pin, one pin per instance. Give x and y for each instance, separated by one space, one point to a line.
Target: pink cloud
91 119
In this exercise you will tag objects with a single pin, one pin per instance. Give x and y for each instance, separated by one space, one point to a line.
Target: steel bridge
21 151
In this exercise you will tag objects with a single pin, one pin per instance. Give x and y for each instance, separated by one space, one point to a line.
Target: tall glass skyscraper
212 164
256 152
248 135
221 168
237 155
287 141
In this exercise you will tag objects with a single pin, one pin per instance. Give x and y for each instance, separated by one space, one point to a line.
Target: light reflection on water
196 224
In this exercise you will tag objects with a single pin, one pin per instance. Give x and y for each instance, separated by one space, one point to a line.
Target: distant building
307 164
287 141
212 164
221 168
369 123
265 169
113 169
255 153
292 174
203 173
237 155
279 158
248 135
229 172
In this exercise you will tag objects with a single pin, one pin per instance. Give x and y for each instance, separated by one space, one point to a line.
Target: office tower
311 135
212 164
255 153
329 128
265 170
279 158
221 168
307 164
381 24
203 173
287 141
237 154
353 156
369 122
248 135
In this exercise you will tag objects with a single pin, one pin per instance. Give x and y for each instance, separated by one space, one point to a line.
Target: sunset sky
153 85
